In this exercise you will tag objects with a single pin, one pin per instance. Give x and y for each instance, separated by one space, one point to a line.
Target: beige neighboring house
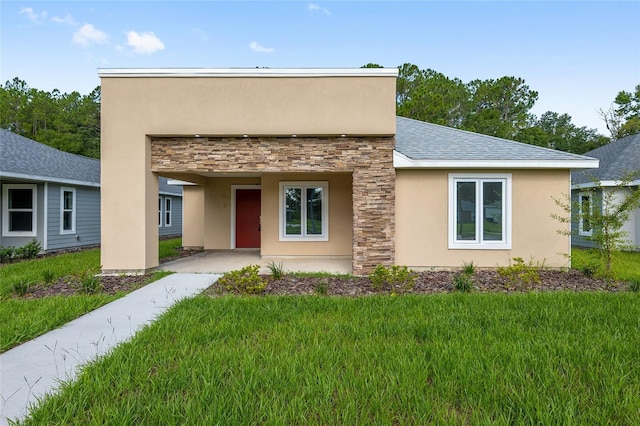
314 162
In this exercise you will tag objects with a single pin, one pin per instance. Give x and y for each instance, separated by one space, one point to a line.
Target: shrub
7 254
463 282
90 283
277 270
468 268
394 279
48 276
520 274
321 287
243 281
20 287
634 285
29 250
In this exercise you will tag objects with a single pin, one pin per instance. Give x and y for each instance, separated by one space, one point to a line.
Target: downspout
45 216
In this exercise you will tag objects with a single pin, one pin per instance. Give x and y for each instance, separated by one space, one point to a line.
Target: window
304 210
585 200
167 211
479 211
19 210
159 212
67 210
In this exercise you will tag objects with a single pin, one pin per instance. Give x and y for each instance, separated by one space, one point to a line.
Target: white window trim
160 209
477 244
325 210
581 231
73 211
5 210
168 202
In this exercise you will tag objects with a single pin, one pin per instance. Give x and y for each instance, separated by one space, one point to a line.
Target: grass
625 265
23 319
535 358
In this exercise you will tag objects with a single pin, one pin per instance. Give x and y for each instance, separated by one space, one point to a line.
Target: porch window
479 211
586 213
67 210
304 209
19 210
167 211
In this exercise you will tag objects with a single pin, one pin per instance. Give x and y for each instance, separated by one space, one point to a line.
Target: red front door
247 218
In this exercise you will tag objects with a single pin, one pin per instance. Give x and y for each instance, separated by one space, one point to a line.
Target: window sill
476 246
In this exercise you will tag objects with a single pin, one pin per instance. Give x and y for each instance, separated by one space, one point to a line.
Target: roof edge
603 183
401 161
49 179
247 72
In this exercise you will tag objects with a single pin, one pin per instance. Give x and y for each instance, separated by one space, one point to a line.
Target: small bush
21 287
520 274
463 282
276 269
590 269
48 276
243 281
634 285
394 279
90 283
468 268
7 254
29 250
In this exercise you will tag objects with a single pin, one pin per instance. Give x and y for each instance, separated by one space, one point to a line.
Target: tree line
498 107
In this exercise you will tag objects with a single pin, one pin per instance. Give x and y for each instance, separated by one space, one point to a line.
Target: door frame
234 188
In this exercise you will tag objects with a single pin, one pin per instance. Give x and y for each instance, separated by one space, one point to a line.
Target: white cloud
257 48
317 8
33 16
88 34
145 43
68 20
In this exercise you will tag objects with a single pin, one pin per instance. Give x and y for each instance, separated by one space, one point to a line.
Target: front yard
526 358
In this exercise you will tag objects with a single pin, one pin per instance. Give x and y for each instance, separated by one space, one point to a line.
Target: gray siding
578 240
176 217
87 230
20 241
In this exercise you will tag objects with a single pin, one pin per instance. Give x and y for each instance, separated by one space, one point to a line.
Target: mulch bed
485 281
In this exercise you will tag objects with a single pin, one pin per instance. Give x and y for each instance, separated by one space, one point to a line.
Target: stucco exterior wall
422 218
135 108
193 216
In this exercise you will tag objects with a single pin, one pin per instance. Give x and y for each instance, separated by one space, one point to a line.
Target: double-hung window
67 210
585 200
159 212
167 211
19 210
479 211
304 211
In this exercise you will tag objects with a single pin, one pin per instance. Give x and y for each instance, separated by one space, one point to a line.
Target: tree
623 117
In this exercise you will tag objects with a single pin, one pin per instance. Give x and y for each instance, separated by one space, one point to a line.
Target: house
314 162
54 197
617 160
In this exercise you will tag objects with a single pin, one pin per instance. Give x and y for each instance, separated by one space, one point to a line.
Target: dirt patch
70 285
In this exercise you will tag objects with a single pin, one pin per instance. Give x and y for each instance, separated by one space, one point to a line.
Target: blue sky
577 55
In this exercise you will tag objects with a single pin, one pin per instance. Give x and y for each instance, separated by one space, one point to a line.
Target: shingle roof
616 160
26 158
419 140
23 156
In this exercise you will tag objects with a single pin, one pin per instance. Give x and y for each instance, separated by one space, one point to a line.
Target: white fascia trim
247 72
401 161
169 194
176 182
603 183
48 179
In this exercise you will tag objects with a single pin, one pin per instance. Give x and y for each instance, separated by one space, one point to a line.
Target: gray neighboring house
54 197
617 159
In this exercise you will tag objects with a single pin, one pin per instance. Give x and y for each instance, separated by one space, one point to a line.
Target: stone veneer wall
369 159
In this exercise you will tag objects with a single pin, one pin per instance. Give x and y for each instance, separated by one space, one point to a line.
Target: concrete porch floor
221 261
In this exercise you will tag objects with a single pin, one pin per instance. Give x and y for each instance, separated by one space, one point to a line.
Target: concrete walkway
36 368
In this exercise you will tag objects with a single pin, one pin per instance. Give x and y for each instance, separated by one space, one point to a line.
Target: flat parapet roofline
247 72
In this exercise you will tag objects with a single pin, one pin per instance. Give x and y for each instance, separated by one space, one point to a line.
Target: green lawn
23 319
535 358
625 265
